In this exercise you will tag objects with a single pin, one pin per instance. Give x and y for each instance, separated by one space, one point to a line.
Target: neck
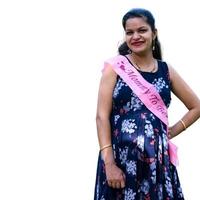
144 61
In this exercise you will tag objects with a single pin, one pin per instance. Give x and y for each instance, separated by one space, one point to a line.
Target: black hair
148 17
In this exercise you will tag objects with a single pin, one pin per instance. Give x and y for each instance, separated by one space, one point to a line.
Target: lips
137 43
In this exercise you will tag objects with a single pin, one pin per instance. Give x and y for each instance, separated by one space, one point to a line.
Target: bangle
106 146
111 163
183 123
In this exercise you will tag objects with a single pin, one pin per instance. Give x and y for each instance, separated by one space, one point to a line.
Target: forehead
136 22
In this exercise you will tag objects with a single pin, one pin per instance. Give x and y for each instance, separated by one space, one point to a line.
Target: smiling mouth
137 43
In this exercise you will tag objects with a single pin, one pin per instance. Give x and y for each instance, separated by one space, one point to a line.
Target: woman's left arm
181 89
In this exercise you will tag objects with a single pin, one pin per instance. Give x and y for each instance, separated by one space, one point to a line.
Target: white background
51 55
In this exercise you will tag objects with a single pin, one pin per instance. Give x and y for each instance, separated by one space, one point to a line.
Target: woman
136 160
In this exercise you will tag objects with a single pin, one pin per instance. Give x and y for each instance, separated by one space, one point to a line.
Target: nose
136 35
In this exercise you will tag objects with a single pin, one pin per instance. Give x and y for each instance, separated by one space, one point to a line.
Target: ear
154 34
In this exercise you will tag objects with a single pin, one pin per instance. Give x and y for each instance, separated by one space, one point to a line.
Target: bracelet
111 163
106 146
183 123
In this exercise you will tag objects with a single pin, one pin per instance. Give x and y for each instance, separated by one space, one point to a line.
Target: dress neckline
141 70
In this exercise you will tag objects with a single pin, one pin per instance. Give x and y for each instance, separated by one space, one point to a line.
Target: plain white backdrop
51 55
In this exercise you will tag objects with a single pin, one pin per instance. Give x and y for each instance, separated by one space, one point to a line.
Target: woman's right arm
115 176
104 107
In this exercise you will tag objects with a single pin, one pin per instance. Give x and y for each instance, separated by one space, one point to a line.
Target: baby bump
139 129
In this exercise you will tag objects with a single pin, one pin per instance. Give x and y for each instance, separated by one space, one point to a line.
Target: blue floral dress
140 146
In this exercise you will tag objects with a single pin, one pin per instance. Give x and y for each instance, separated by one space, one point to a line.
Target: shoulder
172 72
174 76
110 64
108 73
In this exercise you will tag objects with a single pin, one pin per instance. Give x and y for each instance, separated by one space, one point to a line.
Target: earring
153 46
129 51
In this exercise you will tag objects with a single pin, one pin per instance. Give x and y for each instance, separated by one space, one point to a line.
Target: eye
142 30
129 32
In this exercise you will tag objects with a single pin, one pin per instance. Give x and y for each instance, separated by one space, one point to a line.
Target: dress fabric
140 146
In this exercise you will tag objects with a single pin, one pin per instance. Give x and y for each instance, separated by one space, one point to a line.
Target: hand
171 133
115 176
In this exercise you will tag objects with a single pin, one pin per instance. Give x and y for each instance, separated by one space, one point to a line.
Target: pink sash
146 92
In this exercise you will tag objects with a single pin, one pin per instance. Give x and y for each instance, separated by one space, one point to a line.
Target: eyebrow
129 29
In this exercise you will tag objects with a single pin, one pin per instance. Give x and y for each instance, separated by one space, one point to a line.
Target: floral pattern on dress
149 129
153 172
123 154
145 187
116 118
140 146
134 104
131 167
118 87
168 186
160 84
129 194
140 142
160 192
128 126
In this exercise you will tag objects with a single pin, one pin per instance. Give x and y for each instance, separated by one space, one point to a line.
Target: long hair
148 17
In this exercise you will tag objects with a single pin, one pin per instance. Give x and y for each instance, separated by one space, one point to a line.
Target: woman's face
139 35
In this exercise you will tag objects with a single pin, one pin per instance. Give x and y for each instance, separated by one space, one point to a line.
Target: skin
139 37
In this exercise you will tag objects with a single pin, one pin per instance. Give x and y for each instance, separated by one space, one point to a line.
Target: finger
109 183
122 184
113 185
118 185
